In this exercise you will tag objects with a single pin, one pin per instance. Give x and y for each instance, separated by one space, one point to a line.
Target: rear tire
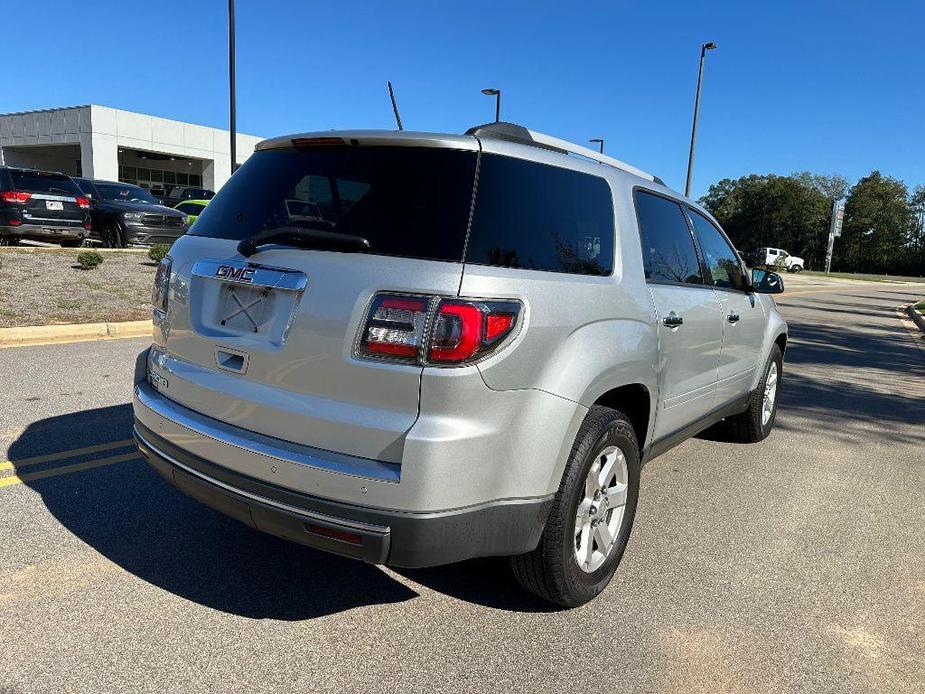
9 240
606 441
756 422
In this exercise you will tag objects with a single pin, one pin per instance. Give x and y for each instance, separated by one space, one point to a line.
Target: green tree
790 212
878 229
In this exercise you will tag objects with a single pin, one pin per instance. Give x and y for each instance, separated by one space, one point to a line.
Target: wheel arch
635 401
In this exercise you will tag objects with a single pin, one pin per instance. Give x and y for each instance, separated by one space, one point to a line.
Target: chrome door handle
673 320
733 317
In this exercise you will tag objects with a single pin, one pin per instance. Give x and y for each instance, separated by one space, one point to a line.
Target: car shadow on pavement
127 513
130 515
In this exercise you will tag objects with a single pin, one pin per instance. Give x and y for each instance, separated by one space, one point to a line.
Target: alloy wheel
600 512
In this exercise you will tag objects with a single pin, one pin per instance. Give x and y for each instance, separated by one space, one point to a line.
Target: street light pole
231 88
497 94
600 141
709 46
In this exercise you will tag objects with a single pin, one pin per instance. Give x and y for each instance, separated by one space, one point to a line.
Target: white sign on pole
838 216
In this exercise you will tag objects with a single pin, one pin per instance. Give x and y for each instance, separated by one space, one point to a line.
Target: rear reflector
14 196
15 222
342 535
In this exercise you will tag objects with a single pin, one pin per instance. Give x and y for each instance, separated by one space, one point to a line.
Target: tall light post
600 141
709 46
497 94
231 82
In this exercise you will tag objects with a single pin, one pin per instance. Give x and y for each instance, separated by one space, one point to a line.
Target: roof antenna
395 106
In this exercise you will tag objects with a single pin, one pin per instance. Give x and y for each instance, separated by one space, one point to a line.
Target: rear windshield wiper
303 235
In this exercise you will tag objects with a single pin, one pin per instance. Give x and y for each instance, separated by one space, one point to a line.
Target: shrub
89 259
158 252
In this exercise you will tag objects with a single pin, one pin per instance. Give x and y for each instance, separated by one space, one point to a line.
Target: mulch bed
42 286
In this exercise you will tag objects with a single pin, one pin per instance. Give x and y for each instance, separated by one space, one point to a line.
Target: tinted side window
668 252
721 260
541 217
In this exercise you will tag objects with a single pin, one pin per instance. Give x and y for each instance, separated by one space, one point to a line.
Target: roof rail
512 132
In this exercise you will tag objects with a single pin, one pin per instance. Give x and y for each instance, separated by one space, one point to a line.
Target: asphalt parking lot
795 565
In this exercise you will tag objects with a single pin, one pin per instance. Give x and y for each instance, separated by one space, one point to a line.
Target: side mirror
766 282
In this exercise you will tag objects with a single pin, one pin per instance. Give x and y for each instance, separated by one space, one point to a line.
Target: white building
114 145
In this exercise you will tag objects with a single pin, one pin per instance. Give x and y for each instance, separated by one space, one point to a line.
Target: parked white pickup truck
776 256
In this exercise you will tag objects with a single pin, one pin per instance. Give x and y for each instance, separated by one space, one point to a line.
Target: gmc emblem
237 274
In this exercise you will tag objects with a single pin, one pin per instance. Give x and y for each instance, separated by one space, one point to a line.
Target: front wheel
111 236
592 515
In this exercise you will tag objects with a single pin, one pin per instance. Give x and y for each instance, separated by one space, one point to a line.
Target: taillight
161 285
464 330
15 196
431 330
395 327
82 203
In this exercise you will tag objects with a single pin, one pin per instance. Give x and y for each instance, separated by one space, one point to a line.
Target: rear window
411 202
541 217
38 182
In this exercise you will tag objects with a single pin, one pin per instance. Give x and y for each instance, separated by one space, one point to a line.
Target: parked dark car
123 214
41 206
177 194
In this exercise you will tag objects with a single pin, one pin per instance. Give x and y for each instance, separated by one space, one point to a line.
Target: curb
78 332
916 317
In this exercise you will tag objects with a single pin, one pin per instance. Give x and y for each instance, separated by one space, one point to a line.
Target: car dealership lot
788 566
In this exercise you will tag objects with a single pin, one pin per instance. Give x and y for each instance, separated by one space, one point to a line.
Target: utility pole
234 154
709 46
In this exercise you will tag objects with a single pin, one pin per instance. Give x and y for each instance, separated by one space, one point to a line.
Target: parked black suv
122 214
41 206
177 194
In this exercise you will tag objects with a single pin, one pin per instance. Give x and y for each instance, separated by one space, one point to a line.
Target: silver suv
415 348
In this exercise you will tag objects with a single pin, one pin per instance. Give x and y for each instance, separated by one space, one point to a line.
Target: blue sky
824 86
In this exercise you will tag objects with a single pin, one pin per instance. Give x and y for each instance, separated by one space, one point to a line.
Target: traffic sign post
838 216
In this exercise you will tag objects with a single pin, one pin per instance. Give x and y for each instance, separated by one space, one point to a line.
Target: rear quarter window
540 217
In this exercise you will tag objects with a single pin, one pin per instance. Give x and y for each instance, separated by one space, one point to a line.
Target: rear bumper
379 536
51 231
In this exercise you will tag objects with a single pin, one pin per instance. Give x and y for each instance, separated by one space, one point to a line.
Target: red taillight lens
82 203
457 332
395 327
15 196
15 222
464 330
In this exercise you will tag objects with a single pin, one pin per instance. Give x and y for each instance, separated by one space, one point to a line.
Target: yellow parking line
61 455
66 469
